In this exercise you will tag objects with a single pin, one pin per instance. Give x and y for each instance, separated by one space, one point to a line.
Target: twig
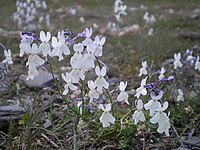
49 140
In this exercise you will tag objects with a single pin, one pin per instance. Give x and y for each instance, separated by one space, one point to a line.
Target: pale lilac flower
8 59
123 94
141 90
190 58
197 64
93 94
106 118
143 70
138 114
177 62
162 119
68 84
100 81
162 71
180 95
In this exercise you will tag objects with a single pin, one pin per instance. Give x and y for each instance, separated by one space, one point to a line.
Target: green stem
178 139
59 92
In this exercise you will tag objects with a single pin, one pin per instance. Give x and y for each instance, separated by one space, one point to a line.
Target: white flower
88 58
162 71
123 94
162 119
141 90
76 59
25 45
76 74
100 81
69 85
88 34
150 32
106 118
92 93
99 45
149 18
180 95
143 70
119 9
33 62
8 58
153 104
138 114
197 64
59 46
44 46
82 19
177 62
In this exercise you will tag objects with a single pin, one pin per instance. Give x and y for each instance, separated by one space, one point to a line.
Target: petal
103 40
103 71
108 107
97 71
42 36
165 106
139 104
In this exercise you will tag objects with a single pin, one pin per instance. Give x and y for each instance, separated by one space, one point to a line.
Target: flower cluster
85 52
29 14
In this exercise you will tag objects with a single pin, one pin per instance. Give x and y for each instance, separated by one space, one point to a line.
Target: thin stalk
59 92
178 139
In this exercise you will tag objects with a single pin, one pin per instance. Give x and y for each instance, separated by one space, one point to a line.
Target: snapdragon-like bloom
25 45
143 70
123 94
76 74
68 84
197 64
93 94
138 114
106 118
180 95
99 45
59 46
141 90
44 46
153 104
162 119
162 71
190 58
177 62
100 81
76 59
87 33
88 58
8 59
33 62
